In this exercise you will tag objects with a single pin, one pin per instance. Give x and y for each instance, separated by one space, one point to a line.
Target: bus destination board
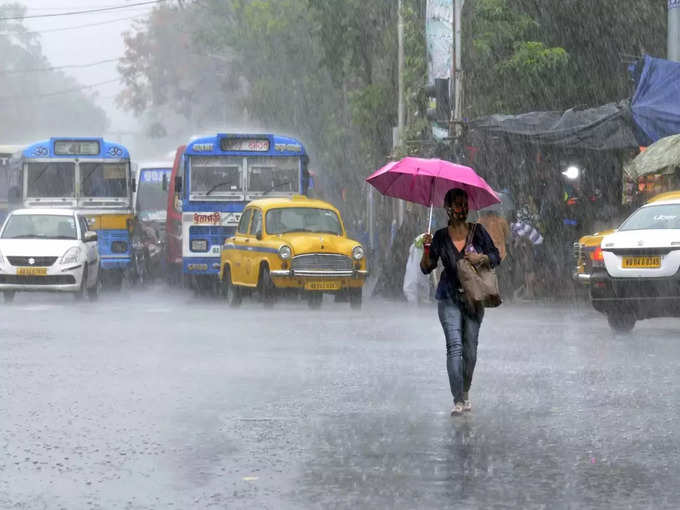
245 144
76 147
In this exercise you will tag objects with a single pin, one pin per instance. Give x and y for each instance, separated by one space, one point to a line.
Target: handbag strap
470 236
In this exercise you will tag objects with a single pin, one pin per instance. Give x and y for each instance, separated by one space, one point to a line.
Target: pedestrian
460 320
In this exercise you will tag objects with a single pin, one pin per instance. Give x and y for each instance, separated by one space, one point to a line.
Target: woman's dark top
443 248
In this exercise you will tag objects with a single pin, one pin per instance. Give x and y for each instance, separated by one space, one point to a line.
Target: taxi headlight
285 252
358 253
72 256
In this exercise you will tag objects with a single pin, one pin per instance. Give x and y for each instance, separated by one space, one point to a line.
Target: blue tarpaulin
656 103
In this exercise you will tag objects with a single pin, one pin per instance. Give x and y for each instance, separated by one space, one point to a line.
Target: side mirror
134 185
178 184
258 235
165 183
90 236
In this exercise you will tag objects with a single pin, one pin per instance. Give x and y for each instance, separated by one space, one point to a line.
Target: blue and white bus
93 176
213 179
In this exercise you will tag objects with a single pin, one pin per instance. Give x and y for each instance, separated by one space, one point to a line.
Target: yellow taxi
588 252
293 243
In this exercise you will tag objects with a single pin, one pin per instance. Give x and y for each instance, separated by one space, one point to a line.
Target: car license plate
31 271
641 262
323 285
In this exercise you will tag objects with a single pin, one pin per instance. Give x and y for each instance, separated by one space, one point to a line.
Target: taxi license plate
323 285
641 262
31 271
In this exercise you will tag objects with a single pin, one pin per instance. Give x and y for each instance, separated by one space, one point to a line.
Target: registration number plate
322 285
641 262
31 271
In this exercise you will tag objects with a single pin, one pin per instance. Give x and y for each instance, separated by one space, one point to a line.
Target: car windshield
40 226
654 217
152 199
302 219
51 179
217 175
273 175
103 180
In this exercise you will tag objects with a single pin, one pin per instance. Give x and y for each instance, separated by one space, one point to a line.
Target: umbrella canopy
426 181
661 154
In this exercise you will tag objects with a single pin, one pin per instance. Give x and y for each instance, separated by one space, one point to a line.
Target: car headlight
72 256
358 253
285 252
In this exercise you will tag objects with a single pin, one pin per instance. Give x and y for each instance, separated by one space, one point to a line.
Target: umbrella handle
429 222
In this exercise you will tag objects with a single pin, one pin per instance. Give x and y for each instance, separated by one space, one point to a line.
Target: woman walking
460 320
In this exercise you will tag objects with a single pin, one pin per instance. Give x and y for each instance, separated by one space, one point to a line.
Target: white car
48 250
638 277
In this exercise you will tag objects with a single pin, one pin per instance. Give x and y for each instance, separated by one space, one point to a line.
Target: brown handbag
479 283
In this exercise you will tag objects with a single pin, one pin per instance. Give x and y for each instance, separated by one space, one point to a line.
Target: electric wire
76 27
58 92
87 11
57 68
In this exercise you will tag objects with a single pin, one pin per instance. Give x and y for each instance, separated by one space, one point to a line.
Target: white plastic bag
416 285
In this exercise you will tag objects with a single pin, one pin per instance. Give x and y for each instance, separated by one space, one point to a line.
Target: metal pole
458 66
673 49
401 128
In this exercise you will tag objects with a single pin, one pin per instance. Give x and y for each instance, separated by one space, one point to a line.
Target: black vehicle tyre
80 293
266 287
230 292
94 291
314 300
621 322
8 296
355 298
114 281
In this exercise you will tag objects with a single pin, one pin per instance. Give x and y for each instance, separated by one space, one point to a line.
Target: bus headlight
72 256
285 252
358 253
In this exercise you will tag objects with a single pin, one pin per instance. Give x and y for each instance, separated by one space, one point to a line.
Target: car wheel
80 293
314 300
621 322
114 281
355 298
8 296
230 292
94 291
266 287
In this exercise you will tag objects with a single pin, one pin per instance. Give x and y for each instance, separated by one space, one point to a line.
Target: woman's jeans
461 329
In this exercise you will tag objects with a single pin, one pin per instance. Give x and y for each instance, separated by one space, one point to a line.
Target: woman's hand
425 264
476 258
427 238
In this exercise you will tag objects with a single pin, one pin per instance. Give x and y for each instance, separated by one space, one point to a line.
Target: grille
576 251
320 261
13 279
214 235
39 261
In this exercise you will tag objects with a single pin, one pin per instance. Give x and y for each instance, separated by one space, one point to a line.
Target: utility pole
457 71
673 49
401 127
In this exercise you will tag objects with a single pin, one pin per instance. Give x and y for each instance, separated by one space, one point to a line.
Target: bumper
67 280
319 279
113 263
643 297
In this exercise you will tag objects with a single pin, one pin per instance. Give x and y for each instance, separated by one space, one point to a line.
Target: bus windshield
103 179
217 175
152 200
52 179
277 175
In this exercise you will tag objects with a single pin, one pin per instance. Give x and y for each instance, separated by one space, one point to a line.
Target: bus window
218 175
53 179
279 175
103 179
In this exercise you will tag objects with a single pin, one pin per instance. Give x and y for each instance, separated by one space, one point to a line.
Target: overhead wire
86 11
57 68
58 92
76 27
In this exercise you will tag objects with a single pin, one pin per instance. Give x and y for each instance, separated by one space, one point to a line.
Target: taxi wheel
266 287
314 300
621 322
355 298
8 296
80 293
230 292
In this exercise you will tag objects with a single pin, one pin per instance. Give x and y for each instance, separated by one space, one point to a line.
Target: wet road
157 400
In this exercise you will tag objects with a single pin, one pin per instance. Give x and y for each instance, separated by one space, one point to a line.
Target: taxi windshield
654 217
302 219
40 226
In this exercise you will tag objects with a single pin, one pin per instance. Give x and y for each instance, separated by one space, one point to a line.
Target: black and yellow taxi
294 243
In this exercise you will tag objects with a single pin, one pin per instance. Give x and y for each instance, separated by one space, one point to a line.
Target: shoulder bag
479 282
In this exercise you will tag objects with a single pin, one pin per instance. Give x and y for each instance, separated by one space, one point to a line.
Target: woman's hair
452 194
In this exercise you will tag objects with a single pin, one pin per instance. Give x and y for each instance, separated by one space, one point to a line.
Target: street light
572 172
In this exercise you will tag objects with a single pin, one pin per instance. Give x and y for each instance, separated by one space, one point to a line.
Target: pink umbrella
426 181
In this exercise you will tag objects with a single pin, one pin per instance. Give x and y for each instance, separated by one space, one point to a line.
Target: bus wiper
276 186
41 174
217 186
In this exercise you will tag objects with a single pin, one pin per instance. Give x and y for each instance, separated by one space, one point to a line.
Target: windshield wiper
276 186
217 186
28 236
